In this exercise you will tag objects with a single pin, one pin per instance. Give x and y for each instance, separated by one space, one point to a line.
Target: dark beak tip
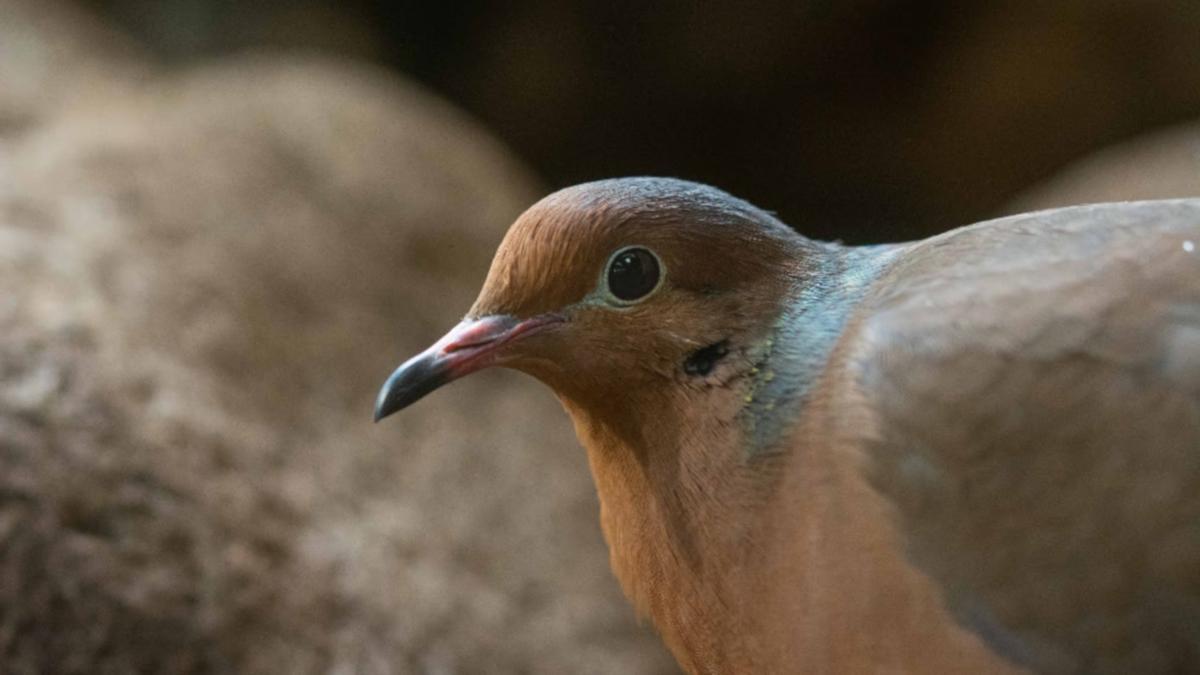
386 401
410 383
385 408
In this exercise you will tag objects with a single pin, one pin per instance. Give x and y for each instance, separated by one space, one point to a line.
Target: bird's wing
1035 383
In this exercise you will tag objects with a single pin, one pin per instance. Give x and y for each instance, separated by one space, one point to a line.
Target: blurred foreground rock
205 278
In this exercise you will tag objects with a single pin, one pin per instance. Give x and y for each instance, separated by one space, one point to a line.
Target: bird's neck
673 522
685 479
794 355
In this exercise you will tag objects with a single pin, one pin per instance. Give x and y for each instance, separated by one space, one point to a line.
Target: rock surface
1160 165
53 54
206 275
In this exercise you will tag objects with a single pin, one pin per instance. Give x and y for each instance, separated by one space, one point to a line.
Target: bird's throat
657 511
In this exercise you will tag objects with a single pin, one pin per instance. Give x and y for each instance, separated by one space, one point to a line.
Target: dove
979 452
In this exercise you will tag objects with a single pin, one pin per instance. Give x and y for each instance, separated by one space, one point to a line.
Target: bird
978 452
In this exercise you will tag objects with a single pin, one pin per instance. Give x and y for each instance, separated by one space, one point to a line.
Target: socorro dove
975 453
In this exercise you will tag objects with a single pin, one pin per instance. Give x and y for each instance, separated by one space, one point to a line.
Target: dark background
860 120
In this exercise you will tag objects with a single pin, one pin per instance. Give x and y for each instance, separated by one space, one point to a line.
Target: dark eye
632 274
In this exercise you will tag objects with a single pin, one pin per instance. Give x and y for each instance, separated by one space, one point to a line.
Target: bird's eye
632 274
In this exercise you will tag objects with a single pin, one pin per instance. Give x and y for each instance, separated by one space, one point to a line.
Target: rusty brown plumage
975 453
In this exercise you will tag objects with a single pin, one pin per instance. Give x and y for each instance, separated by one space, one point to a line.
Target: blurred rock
206 278
1161 165
53 54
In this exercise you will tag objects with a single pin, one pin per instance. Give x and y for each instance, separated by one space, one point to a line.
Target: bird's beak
472 345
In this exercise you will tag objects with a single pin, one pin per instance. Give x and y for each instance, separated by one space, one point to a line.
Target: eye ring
632 274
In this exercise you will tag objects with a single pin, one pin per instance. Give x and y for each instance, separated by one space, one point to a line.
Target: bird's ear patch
700 362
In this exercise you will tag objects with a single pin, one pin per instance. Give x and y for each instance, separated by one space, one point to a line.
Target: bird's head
616 287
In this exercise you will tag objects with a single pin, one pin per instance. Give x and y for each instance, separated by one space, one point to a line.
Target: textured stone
1161 165
206 273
